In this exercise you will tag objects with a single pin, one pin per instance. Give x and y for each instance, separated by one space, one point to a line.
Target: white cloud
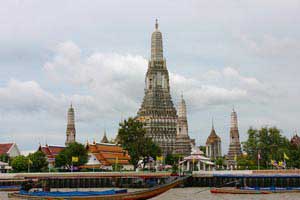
117 81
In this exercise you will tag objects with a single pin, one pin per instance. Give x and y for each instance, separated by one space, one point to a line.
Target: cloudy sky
221 54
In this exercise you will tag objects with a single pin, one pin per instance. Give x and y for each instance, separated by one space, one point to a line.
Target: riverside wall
257 178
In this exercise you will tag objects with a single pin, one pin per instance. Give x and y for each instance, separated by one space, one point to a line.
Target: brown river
193 193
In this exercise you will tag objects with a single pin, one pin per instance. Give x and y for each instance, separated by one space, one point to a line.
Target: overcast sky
221 54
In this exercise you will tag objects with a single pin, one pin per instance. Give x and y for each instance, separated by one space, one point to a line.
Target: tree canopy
132 137
269 143
76 150
20 164
38 161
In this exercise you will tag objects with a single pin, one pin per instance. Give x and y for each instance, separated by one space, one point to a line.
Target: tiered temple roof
213 144
51 152
213 137
109 154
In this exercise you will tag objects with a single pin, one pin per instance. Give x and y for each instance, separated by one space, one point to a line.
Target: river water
194 193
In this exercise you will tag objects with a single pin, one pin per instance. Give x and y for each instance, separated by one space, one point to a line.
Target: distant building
157 110
71 131
213 145
104 139
4 167
105 155
183 141
295 140
51 152
235 149
10 149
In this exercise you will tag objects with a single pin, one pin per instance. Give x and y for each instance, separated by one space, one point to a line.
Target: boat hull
251 191
139 195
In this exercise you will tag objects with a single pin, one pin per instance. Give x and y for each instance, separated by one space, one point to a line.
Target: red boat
238 191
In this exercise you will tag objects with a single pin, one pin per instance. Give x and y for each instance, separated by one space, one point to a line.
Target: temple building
213 145
235 145
157 110
105 155
196 161
51 152
71 131
183 141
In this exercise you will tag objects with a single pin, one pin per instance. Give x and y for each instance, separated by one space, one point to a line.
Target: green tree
4 158
132 137
294 155
203 149
220 162
64 158
172 159
269 143
20 164
38 161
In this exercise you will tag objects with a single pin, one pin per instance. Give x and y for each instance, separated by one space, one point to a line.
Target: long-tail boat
237 191
138 195
249 190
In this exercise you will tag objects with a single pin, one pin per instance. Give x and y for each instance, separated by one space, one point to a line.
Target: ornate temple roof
213 137
107 154
51 151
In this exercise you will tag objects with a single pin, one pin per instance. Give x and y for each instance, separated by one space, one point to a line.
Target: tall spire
182 108
156 44
157 110
183 141
235 145
234 122
71 131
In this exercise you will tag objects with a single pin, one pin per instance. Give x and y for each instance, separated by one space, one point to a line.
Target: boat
249 190
138 195
9 188
237 191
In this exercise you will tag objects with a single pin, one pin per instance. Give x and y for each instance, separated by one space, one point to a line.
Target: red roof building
104 155
11 149
51 152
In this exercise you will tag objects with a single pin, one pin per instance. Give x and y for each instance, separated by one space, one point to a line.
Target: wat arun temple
157 110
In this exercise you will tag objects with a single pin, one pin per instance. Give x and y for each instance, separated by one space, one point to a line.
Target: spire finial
232 108
156 24
71 105
212 123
